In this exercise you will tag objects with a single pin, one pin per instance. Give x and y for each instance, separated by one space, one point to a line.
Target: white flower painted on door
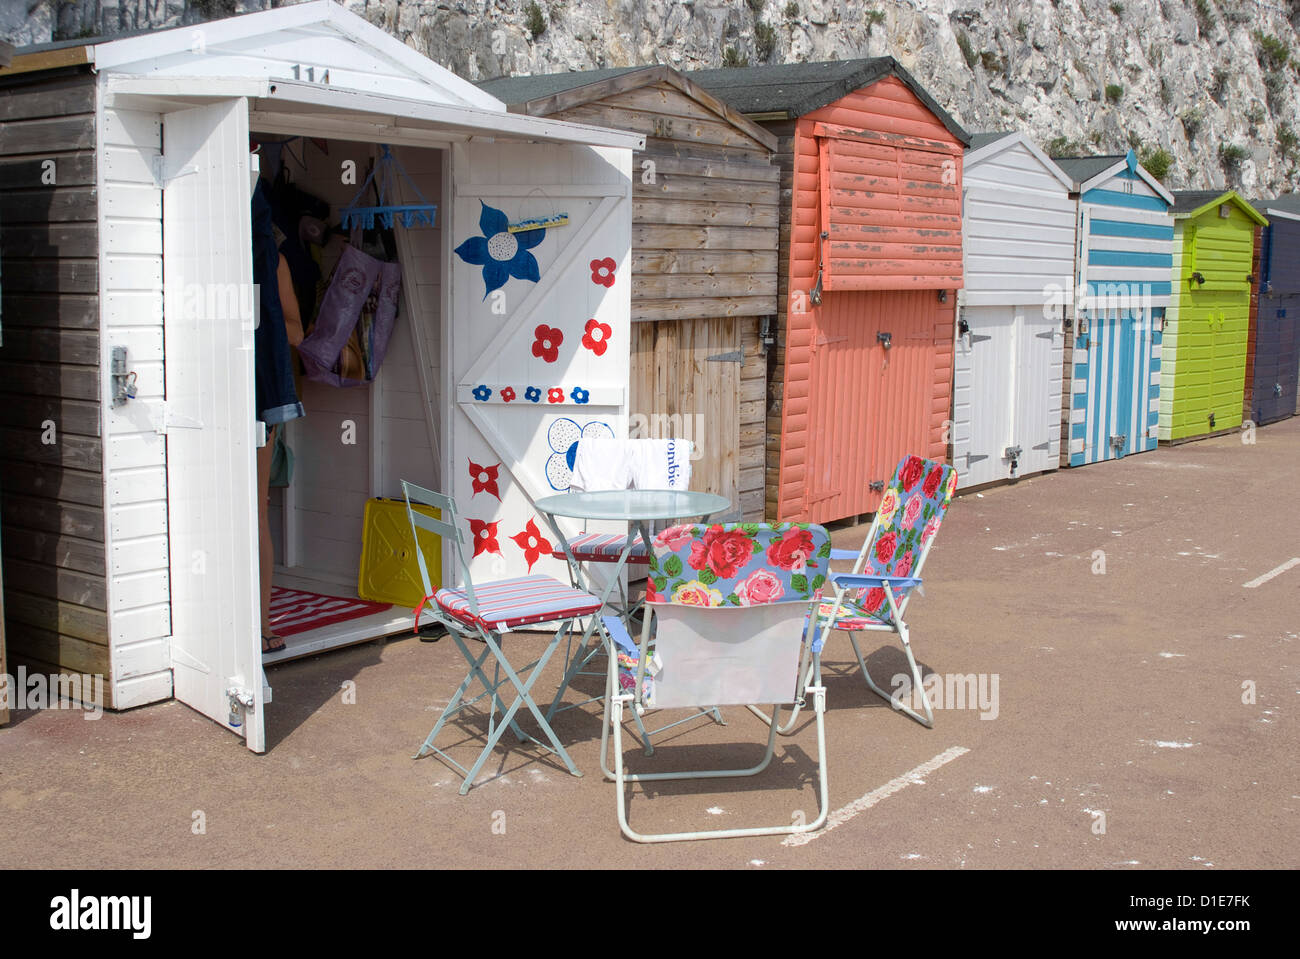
563 437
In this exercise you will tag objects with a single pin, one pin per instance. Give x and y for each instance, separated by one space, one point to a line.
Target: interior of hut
355 236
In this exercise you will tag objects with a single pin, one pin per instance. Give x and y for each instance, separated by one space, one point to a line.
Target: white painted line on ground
1261 580
863 803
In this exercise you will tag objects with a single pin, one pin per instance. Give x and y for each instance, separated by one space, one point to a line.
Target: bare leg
266 556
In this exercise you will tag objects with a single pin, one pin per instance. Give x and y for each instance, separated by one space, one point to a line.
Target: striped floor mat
297 611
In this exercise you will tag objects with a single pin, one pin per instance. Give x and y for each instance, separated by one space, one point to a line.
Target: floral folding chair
486 612
874 595
731 612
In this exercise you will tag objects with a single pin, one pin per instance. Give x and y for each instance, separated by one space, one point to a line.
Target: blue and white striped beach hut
1123 262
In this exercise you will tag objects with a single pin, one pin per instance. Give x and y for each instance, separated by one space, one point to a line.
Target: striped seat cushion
518 602
603 548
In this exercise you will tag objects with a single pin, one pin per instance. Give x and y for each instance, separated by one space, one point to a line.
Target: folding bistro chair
874 595
731 607
485 613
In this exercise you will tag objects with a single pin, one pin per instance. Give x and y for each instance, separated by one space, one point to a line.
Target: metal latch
886 338
876 486
1119 442
1211 421
1013 453
241 700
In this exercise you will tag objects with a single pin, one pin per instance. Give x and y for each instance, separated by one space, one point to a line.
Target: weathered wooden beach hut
1018 246
1123 257
1203 360
130 542
1274 357
704 260
870 263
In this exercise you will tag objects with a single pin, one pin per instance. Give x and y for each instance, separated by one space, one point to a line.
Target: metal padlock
130 386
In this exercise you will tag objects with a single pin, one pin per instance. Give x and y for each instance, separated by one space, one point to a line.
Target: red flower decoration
885 546
602 271
555 395
792 550
532 542
507 394
596 337
724 553
485 536
484 478
911 472
931 485
547 344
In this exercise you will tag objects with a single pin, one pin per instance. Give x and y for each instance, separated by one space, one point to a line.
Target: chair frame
857 579
460 632
810 686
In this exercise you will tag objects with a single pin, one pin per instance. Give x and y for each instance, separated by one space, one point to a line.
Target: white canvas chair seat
730 606
485 613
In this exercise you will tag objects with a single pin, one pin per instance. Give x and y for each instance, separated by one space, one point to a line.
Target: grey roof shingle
1187 200
1083 169
1287 203
512 90
978 140
794 89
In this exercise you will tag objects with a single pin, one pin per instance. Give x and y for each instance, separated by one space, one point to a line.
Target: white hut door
539 337
1038 339
989 350
208 317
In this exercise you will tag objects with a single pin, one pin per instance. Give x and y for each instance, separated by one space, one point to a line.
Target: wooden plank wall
704 268
51 452
1252 332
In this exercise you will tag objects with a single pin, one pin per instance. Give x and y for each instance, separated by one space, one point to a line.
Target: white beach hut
131 544
1018 240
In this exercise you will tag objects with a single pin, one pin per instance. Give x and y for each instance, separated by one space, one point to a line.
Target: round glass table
634 505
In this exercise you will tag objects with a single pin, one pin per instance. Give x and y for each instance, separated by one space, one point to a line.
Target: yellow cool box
389 573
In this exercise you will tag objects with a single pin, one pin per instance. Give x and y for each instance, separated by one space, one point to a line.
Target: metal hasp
119 375
877 486
1117 443
1013 453
240 701
886 338
1211 421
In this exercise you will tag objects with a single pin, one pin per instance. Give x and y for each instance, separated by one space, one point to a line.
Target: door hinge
1047 335
1046 445
975 457
735 356
164 173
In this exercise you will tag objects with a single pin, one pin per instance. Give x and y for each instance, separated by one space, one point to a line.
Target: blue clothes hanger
384 175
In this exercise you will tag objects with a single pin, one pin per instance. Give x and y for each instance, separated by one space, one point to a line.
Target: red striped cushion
603 548
518 602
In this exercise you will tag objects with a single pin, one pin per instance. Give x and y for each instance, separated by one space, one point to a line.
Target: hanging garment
276 397
361 302
289 205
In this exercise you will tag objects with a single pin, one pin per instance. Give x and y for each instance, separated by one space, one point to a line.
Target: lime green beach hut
1203 354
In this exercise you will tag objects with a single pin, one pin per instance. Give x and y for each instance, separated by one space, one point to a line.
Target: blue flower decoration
502 254
579 395
563 437
532 394
481 393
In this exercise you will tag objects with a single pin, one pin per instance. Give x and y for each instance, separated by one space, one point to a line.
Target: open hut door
540 336
208 321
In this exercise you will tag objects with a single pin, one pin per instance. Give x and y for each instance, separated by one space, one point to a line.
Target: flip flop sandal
270 641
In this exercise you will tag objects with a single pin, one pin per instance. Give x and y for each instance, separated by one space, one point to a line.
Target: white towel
661 464
603 464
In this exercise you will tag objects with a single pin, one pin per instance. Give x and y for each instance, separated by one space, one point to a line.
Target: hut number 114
301 72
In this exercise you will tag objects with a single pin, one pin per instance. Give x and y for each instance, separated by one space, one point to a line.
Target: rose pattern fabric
911 509
728 565
721 551
732 560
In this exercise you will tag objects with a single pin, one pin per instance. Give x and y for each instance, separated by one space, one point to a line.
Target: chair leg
621 777
928 719
456 704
